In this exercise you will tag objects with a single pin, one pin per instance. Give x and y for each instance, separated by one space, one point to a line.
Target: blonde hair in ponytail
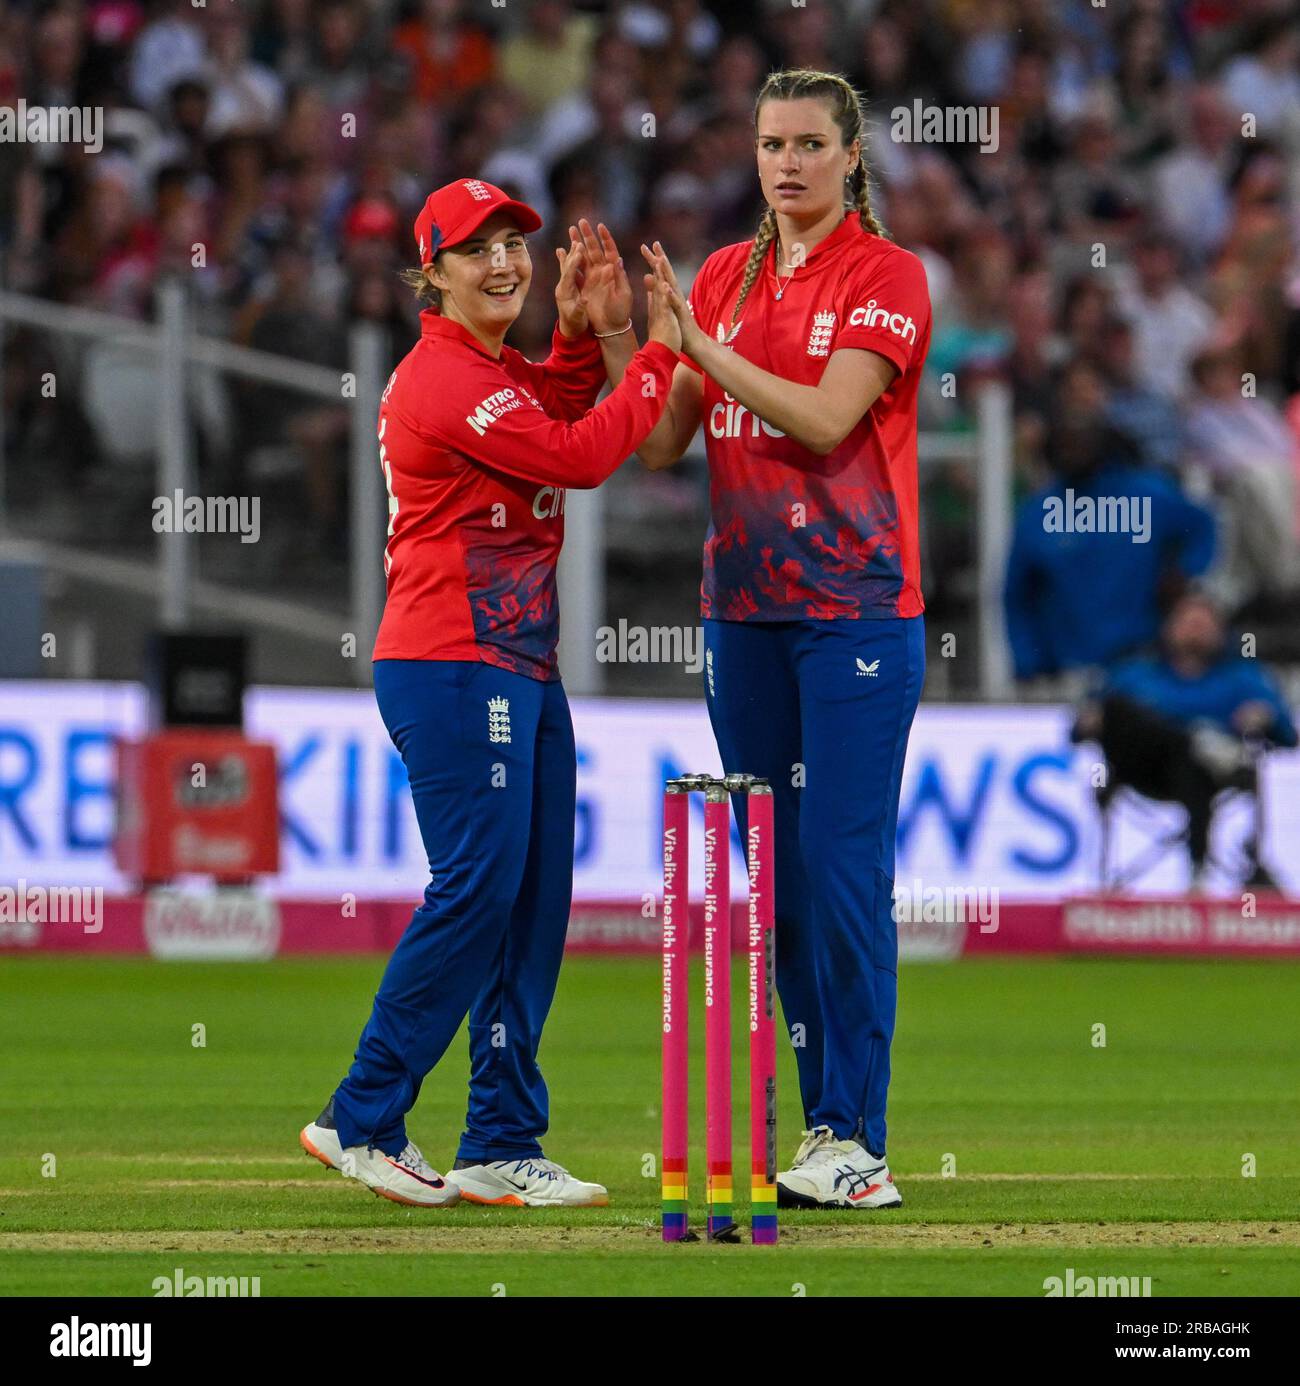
846 111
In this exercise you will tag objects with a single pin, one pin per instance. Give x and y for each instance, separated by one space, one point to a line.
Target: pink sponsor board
1265 926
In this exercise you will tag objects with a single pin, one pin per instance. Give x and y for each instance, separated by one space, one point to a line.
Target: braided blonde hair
846 111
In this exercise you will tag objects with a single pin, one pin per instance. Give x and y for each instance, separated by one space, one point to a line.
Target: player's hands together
606 290
662 324
568 292
692 334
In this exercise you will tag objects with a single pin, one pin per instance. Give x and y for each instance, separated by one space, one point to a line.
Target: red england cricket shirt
794 535
477 452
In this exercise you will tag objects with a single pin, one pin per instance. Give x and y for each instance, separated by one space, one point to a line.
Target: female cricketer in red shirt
477 446
803 353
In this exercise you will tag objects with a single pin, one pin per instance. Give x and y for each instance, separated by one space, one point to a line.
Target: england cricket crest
499 721
819 339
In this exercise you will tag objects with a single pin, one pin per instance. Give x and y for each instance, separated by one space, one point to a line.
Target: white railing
177 347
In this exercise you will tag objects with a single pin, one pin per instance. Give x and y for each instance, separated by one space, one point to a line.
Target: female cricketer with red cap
803 354
477 446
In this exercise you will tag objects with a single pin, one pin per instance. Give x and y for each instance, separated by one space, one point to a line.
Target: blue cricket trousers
490 757
823 710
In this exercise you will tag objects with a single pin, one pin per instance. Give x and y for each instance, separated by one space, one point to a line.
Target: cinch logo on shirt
871 316
728 421
492 408
549 502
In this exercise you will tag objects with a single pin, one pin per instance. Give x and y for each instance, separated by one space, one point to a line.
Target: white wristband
619 333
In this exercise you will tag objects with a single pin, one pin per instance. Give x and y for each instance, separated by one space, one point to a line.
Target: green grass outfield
1122 1160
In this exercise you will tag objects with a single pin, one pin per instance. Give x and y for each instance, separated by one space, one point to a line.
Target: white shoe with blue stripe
836 1174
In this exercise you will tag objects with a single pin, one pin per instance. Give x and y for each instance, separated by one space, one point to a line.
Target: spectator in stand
614 160
284 36
1095 552
1187 721
1248 285
1086 309
245 96
108 251
1244 443
374 297
660 24
1098 198
974 329
337 66
681 201
1152 422
1264 82
289 322
550 56
170 46
574 119
183 142
1191 182
449 55
1150 58
1170 322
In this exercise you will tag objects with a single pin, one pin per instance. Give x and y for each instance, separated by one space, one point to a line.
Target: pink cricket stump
717 1008
761 941
676 1009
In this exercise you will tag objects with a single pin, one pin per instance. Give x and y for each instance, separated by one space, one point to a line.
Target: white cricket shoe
528 1183
406 1178
835 1174
322 1142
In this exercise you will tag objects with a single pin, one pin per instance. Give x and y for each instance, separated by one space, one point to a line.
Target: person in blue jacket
1096 553
1188 720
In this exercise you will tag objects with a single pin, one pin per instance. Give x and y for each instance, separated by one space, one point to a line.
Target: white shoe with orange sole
528 1183
406 1178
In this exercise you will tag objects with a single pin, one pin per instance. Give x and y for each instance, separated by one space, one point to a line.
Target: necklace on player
781 288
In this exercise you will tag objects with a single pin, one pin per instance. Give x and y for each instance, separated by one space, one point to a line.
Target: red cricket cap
455 211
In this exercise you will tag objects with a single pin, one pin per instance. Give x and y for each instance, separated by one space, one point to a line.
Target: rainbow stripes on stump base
674 1202
762 1208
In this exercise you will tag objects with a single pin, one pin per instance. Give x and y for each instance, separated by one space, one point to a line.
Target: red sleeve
885 307
570 378
700 302
484 414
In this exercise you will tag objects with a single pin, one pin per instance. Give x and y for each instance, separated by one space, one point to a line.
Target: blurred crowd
1125 258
